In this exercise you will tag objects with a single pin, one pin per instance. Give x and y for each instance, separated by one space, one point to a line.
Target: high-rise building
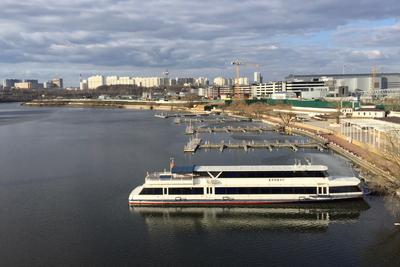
242 81
265 90
220 81
148 81
10 82
48 85
33 81
95 81
126 81
202 81
164 81
57 83
354 82
185 81
112 80
83 85
24 85
28 84
98 80
257 77
172 81
302 89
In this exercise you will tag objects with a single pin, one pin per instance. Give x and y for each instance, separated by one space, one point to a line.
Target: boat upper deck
188 173
246 168
246 174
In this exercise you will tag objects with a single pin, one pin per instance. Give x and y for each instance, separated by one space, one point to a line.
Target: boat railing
161 176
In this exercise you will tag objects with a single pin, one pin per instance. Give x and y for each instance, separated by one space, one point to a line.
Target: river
66 175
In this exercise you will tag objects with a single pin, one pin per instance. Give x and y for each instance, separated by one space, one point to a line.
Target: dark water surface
66 175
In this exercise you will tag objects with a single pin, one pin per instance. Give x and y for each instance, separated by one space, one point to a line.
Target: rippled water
66 175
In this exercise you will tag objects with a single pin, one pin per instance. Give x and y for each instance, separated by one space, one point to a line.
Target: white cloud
193 36
370 54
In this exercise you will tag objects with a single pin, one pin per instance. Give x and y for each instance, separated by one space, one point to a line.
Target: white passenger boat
243 185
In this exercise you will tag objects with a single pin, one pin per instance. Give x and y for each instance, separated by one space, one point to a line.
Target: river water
66 175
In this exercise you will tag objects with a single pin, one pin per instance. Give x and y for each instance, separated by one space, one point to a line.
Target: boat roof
246 168
183 169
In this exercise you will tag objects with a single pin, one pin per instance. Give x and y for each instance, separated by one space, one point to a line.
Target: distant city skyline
41 39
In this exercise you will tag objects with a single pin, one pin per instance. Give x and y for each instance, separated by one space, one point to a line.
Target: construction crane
237 92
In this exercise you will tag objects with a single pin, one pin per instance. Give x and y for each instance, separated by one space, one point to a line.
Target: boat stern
345 187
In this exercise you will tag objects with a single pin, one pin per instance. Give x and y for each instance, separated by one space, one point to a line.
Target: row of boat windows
264 190
248 190
267 174
344 189
173 191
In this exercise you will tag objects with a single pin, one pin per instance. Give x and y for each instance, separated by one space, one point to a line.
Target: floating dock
196 143
192 145
193 130
215 120
179 115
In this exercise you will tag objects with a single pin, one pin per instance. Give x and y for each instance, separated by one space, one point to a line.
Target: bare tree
391 156
191 98
258 109
287 118
391 151
338 112
239 107
392 103
388 160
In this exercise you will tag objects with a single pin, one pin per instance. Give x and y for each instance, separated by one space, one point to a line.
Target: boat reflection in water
300 217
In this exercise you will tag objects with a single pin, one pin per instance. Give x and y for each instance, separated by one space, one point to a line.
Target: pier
193 130
179 115
213 120
192 145
196 143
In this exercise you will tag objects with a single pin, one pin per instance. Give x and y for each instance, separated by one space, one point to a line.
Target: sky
45 39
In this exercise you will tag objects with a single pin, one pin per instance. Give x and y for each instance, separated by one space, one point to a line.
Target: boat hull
237 202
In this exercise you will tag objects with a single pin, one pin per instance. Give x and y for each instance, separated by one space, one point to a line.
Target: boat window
272 174
186 191
202 174
344 189
151 191
264 190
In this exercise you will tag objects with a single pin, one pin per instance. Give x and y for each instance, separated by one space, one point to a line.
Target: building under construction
354 82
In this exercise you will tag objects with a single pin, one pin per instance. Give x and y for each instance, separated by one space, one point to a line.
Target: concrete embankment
95 103
377 175
375 171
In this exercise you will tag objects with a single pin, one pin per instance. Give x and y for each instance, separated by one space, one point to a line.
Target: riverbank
97 103
374 168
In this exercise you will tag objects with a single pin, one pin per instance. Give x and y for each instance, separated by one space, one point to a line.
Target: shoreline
375 176
379 179
97 103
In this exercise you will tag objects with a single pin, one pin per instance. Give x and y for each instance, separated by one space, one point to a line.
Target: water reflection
295 218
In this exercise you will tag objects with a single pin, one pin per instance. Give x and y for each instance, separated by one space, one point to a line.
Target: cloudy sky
47 38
